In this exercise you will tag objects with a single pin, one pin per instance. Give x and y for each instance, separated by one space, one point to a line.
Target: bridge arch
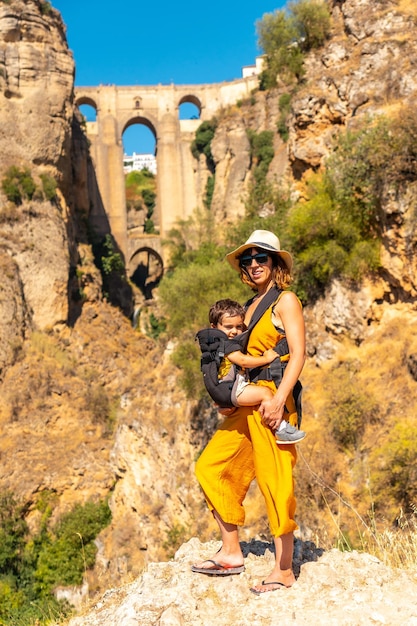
145 269
139 119
191 99
86 100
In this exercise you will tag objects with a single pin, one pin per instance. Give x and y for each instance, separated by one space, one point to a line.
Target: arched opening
145 270
140 168
189 108
88 109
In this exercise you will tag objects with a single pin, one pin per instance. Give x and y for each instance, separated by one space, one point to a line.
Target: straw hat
264 240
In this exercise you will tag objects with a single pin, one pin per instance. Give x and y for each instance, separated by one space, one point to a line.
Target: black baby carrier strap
275 372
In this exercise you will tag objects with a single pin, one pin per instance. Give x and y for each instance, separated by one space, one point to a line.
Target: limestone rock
230 149
336 588
36 83
36 89
14 318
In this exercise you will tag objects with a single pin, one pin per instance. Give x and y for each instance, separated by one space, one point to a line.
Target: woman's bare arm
289 310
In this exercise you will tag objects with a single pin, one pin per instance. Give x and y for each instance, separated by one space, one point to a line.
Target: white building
254 70
138 162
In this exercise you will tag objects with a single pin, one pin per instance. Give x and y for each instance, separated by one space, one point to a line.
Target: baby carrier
215 345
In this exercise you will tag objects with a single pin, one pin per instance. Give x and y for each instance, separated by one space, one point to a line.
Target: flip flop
264 584
217 569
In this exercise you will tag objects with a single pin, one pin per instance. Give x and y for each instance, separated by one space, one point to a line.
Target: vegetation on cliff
141 196
287 35
32 566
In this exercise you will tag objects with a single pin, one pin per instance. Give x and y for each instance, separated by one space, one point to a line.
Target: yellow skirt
242 449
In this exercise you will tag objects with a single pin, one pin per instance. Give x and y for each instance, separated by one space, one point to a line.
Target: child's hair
225 307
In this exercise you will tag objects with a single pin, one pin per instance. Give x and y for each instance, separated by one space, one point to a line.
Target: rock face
336 588
36 82
36 87
364 70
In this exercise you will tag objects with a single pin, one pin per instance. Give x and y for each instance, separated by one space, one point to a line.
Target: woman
244 446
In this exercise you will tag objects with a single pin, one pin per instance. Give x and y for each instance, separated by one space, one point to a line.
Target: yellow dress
243 449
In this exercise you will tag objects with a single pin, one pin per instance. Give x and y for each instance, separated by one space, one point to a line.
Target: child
228 316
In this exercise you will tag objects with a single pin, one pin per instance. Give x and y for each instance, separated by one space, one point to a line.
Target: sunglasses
260 257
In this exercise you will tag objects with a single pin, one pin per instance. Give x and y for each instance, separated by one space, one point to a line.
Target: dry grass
409 7
396 547
338 501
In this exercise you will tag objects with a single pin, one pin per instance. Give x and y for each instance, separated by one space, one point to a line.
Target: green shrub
209 191
149 226
156 326
276 36
348 408
111 261
330 242
261 148
27 184
13 535
261 191
202 142
71 550
284 105
149 197
379 158
49 186
394 478
45 7
18 185
10 185
176 536
31 567
312 23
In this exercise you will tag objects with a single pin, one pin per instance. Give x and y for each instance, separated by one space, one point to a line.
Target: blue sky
147 43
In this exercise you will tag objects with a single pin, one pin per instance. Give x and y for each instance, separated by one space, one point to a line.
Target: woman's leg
230 554
282 574
225 470
274 475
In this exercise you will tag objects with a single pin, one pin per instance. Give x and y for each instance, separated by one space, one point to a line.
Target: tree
285 35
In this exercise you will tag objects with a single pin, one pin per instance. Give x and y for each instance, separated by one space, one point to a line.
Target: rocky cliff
90 407
339 589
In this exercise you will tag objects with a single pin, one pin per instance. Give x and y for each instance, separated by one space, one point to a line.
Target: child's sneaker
289 434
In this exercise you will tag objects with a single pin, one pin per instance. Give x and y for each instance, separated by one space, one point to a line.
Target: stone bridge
156 107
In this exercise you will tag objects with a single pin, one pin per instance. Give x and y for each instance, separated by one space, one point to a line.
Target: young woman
244 447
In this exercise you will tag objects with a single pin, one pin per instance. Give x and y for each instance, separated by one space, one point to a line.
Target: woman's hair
280 273
225 307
